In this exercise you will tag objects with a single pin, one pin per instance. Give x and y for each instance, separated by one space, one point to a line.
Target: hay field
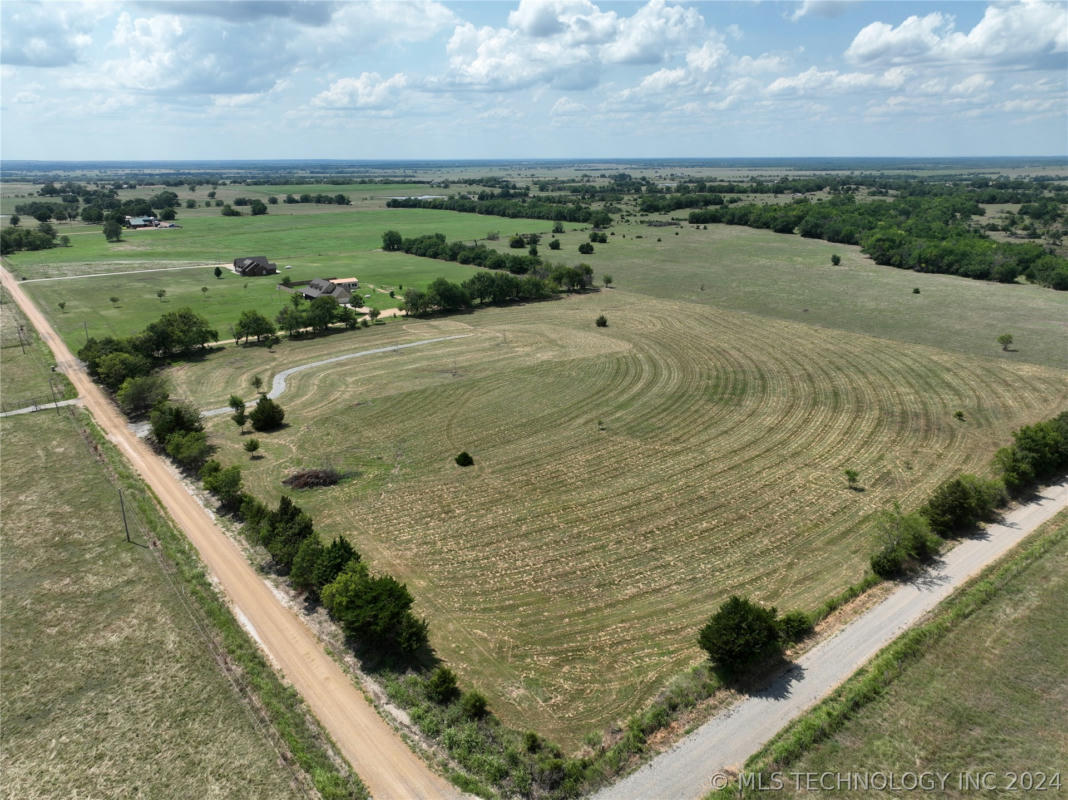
627 479
110 686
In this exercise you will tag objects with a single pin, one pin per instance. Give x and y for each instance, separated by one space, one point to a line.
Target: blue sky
200 79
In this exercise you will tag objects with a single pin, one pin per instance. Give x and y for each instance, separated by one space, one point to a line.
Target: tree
441 686
464 459
305 563
1005 340
960 503
602 321
374 610
852 476
15 219
257 382
161 293
836 259
554 244
223 483
392 241
267 415
558 227
905 540
204 291
740 635
585 248
239 416
174 416
321 312
258 208
218 272
64 241
253 323
112 231
114 368
229 211
374 314
114 300
251 446
517 242
189 449
473 705
607 280
62 305
335 557
168 214
138 395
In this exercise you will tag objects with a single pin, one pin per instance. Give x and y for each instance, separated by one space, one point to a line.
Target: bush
602 321
189 449
794 626
173 417
907 542
267 415
554 244
473 705
441 685
740 635
961 503
836 259
464 459
137 396
585 248
223 483
374 610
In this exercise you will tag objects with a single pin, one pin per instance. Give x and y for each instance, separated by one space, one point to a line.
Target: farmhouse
253 266
339 289
141 222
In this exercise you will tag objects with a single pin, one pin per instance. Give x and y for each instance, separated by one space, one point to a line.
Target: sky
422 79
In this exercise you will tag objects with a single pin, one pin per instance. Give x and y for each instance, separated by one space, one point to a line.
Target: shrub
960 503
554 244
138 395
794 626
223 483
836 259
585 248
441 685
740 635
907 541
252 445
464 459
473 704
267 415
602 321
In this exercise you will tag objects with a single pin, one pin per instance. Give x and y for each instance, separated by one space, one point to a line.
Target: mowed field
1010 654
111 688
626 480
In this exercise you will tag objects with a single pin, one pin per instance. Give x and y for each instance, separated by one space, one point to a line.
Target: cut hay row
627 479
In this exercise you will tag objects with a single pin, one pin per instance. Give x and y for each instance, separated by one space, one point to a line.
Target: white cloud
45 34
367 91
653 32
821 8
708 56
578 21
972 85
1029 34
816 81
568 108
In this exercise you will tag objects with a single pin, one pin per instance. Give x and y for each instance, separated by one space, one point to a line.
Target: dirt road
692 768
388 768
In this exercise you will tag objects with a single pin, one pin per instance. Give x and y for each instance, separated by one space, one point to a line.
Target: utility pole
55 401
126 525
86 326
21 343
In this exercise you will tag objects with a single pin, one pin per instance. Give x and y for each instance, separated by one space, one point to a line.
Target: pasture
1010 654
111 683
626 479
26 376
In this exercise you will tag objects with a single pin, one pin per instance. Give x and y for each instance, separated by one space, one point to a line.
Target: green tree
252 445
15 219
558 227
602 321
168 418
374 610
218 272
305 564
607 279
257 383
585 248
836 259
253 323
335 557
1005 340
374 314
239 416
223 483
138 395
851 476
554 244
392 241
161 293
62 305
258 208
905 541
267 415
189 449
740 635
112 231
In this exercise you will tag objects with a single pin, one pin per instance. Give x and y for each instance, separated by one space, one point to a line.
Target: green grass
626 479
26 376
111 686
1005 638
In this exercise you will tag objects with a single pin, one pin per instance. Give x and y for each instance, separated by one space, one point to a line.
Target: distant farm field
627 479
111 688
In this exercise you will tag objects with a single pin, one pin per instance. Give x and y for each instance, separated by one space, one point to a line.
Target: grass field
25 363
1010 654
627 479
110 687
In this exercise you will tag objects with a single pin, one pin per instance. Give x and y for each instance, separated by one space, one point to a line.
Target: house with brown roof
321 287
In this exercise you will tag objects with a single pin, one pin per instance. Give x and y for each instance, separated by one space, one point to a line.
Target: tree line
917 233
512 208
